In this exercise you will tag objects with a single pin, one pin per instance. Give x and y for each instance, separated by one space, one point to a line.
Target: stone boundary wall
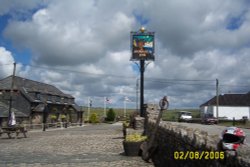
171 138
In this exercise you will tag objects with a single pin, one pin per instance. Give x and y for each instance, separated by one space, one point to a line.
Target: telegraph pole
11 93
217 98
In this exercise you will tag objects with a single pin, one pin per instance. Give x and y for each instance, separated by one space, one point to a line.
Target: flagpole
104 100
88 108
125 108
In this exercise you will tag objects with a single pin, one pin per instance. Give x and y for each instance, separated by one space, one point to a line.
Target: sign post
142 47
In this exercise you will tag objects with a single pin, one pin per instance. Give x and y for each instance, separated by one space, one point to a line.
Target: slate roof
4 111
230 100
29 87
26 85
39 107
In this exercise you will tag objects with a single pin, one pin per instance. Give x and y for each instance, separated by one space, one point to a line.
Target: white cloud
6 62
193 42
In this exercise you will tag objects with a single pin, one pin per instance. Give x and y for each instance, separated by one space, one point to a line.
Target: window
37 96
72 101
49 98
65 100
62 99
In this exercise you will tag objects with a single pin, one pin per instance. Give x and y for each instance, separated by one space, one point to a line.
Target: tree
111 115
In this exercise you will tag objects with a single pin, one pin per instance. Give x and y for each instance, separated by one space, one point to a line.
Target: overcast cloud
195 40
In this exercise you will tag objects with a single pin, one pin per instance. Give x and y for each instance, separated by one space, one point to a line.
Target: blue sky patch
20 55
235 23
140 18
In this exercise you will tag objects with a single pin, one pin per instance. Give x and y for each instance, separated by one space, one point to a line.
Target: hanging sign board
142 46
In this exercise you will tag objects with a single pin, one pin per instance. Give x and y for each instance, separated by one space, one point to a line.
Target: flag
90 103
108 100
126 98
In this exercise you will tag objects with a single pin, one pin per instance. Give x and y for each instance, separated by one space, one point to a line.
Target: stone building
29 99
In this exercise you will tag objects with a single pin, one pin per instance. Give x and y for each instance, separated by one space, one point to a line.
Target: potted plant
63 117
53 118
125 125
132 144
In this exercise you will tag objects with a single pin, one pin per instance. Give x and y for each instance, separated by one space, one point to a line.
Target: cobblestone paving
92 145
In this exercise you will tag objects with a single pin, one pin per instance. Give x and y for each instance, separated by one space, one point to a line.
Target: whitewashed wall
230 112
227 111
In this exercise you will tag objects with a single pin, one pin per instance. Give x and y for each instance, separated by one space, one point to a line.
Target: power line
80 72
224 85
173 83
6 64
184 80
158 80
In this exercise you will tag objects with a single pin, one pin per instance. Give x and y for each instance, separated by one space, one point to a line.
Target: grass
169 115
172 115
237 124
100 112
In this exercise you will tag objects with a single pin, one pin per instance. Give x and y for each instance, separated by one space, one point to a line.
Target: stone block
139 123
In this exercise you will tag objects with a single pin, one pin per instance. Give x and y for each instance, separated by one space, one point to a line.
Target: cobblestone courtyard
92 145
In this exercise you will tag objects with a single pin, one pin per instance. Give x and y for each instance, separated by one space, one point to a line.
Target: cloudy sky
83 47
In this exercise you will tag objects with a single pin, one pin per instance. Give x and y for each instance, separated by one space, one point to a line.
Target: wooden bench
14 129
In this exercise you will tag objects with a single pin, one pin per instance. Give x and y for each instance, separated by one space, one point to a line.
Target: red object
232 138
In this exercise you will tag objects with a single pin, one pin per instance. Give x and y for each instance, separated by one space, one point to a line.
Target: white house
230 106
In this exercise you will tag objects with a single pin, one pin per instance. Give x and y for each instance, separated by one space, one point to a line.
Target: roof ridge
27 79
229 99
36 83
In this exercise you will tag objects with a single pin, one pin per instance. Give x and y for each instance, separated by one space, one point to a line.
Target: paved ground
93 145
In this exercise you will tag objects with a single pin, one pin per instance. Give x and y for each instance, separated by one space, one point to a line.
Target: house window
65 100
58 98
38 96
49 98
62 99
72 101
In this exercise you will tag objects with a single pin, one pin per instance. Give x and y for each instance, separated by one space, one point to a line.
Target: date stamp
199 155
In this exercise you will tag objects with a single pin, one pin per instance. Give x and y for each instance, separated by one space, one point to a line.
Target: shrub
135 138
125 124
94 118
63 116
111 115
53 117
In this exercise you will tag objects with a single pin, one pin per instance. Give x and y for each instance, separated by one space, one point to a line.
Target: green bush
94 118
53 117
111 115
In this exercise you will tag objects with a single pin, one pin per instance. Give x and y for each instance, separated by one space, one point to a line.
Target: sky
83 48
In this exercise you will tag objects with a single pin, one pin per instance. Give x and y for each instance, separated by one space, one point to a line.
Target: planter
132 148
124 130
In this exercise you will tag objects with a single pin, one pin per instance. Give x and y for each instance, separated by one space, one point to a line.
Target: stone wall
171 138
